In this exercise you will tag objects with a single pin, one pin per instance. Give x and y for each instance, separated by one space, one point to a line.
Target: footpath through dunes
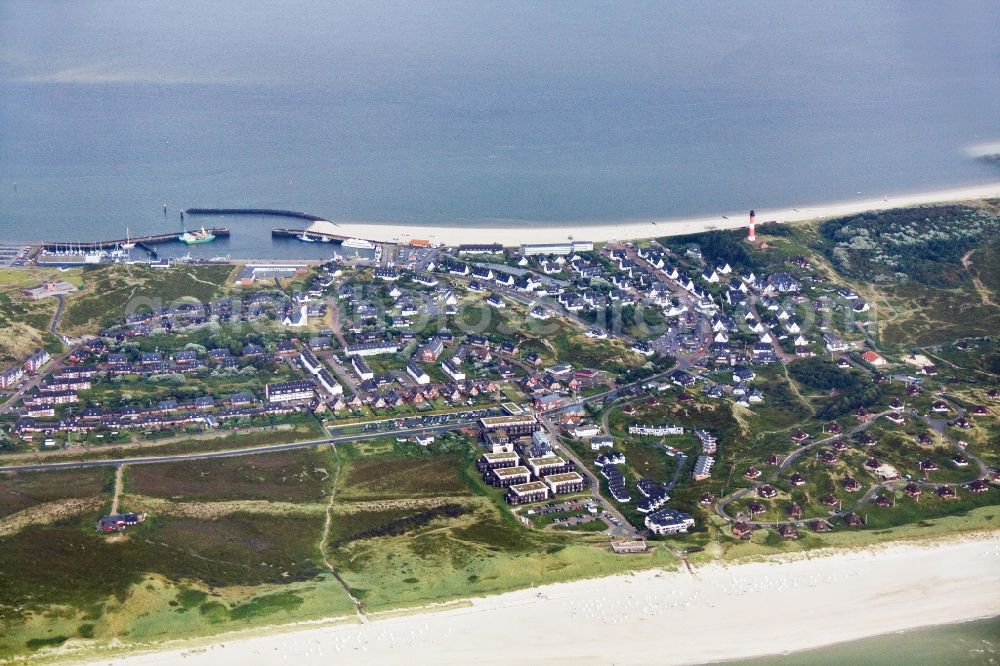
324 537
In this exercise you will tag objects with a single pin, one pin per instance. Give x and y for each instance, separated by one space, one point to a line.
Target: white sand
657 617
542 232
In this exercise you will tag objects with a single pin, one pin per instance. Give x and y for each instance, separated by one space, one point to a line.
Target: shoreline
623 230
817 599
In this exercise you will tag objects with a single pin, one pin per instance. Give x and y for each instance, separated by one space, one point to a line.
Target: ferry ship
200 236
358 244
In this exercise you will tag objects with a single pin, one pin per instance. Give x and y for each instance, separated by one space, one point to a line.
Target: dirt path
358 606
984 294
795 390
119 478
194 278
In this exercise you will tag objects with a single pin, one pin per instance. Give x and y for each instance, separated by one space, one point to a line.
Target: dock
281 232
142 242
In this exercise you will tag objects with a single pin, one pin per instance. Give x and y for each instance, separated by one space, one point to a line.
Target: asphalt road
872 491
232 453
624 529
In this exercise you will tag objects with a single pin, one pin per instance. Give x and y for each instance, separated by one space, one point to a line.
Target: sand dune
656 617
542 232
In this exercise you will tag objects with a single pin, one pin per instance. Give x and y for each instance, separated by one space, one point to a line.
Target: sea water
473 113
966 643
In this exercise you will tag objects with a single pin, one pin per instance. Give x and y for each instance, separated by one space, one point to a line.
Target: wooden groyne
142 242
273 212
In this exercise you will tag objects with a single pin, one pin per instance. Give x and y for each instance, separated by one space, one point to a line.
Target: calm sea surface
966 644
534 113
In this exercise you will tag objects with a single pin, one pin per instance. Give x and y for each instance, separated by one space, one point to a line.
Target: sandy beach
521 231
655 617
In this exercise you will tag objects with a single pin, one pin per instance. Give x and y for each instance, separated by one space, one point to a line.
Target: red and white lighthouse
752 236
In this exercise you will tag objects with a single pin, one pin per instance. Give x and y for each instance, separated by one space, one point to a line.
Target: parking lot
568 513
13 255
409 422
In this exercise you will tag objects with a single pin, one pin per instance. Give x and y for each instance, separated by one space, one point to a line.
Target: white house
601 442
453 370
585 431
299 319
669 521
418 374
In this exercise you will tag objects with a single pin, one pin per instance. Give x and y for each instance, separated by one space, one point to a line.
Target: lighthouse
752 236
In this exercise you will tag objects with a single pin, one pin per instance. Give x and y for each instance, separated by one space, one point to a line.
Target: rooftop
530 487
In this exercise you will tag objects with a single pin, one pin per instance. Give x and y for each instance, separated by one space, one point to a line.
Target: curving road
873 490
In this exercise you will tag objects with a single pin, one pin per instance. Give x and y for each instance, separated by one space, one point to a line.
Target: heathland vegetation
404 529
364 520
933 270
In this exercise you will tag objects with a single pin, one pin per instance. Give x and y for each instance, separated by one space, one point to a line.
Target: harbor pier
144 242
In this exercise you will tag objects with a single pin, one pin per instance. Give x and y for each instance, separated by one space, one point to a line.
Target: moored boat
195 237
358 244
128 244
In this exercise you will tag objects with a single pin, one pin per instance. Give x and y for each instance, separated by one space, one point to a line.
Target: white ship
358 244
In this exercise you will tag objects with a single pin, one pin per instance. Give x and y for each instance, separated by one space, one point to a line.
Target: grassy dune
455 543
109 291
24 323
233 544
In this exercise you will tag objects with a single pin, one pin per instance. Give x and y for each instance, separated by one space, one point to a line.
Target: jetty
281 232
273 212
142 242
